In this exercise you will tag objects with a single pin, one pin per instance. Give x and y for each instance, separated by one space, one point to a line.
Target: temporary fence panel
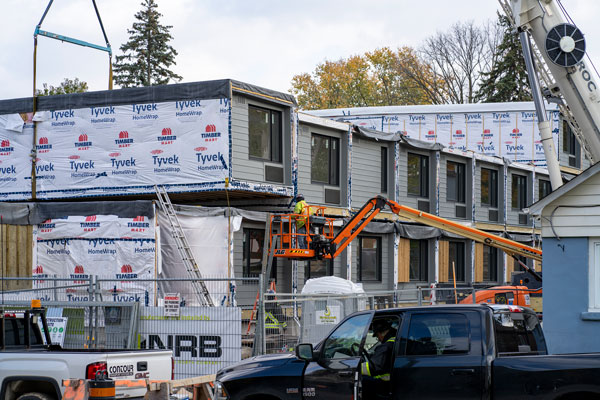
203 339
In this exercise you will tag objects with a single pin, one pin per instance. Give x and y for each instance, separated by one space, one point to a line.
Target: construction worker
379 364
302 209
274 321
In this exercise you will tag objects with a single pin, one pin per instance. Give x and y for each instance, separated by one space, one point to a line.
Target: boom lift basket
319 233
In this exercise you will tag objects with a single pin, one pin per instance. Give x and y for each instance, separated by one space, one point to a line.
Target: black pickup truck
440 352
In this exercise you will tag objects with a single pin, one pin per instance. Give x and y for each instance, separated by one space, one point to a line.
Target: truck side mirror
304 351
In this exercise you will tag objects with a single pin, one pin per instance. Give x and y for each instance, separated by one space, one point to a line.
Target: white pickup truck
32 370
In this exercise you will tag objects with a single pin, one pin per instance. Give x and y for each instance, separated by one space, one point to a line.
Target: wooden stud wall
404 260
16 255
478 262
444 257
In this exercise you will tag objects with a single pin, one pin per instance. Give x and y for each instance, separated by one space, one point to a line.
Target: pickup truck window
518 334
437 334
345 341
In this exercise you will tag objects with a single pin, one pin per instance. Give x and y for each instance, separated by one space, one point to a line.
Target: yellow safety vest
273 323
365 370
301 208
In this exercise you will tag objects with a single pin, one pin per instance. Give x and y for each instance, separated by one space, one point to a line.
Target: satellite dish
565 45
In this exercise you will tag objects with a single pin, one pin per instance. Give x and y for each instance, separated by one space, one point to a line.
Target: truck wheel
35 396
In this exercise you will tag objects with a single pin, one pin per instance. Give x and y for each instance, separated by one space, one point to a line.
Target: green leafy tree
67 86
147 56
507 79
378 78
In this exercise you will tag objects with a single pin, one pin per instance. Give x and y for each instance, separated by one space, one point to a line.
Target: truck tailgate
151 364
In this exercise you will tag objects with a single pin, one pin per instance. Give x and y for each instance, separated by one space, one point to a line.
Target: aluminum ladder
184 248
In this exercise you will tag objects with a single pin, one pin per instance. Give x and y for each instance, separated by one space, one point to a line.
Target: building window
254 240
325 159
369 258
456 261
489 187
418 175
455 173
490 263
571 146
519 192
545 188
384 170
318 268
264 132
419 251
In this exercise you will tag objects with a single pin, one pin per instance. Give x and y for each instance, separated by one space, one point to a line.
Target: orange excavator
323 243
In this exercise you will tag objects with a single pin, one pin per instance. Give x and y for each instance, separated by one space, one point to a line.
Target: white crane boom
559 49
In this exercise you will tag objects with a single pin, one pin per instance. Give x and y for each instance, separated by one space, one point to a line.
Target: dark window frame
333 178
461 258
247 273
384 169
328 268
571 146
519 200
491 255
423 175
276 149
544 188
460 184
422 268
378 260
492 187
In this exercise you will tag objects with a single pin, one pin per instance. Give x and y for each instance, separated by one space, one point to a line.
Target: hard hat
299 197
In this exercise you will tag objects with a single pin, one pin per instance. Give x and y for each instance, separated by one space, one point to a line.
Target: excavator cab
314 244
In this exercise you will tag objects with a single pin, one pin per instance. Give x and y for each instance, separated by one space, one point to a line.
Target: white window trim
594 274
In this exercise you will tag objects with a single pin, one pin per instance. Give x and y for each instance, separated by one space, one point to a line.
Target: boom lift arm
326 245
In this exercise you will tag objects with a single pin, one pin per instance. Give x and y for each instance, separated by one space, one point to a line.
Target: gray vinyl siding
387 263
315 192
448 208
482 211
410 200
366 170
243 167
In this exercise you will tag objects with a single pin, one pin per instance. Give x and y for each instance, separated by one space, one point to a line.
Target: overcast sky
262 42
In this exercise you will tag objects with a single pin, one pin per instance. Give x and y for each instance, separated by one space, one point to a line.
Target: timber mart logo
139 224
516 133
83 142
43 145
38 272
166 136
6 148
127 272
90 224
210 133
487 134
430 135
78 273
459 134
123 140
47 226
